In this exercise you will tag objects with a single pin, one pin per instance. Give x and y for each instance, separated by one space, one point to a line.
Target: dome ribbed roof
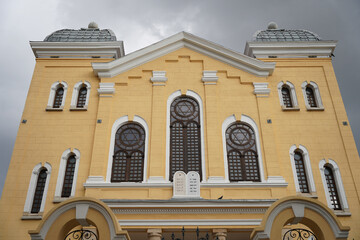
91 34
273 34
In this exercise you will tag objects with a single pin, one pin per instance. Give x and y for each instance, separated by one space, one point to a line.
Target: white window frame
338 181
308 169
117 124
171 98
62 168
294 100
75 94
317 96
54 87
32 187
245 119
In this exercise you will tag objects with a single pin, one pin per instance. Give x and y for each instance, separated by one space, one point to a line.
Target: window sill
31 216
296 108
54 109
78 109
342 213
61 199
315 109
309 195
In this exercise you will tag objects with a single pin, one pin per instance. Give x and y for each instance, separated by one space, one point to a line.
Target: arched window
301 172
242 153
129 152
69 176
57 96
80 97
287 95
36 196
334 188
185 136
39 191
312 96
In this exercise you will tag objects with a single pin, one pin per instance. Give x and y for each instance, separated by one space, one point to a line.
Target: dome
273 34
90 34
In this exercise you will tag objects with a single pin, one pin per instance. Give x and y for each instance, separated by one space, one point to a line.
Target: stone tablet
193 184
179 184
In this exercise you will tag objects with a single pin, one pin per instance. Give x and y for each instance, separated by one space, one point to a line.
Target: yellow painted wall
46 135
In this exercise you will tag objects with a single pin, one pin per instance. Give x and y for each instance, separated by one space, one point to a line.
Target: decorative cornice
159 78
106 88
113 49
181 40
209 77
261 89
290 49
190 222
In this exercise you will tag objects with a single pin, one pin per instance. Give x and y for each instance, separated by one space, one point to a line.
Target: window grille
69 176
333 192
58 97
81 97
286 97
301 172
39 191
310 97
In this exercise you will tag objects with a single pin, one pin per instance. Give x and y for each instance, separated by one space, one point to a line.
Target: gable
177 41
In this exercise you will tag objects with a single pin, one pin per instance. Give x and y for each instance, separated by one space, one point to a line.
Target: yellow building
182 133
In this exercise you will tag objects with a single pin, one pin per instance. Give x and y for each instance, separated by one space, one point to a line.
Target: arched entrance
79 213
317 218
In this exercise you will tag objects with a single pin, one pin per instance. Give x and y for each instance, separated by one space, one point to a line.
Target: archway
83 211
294 210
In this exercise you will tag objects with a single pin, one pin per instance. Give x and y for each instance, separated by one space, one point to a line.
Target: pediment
181 40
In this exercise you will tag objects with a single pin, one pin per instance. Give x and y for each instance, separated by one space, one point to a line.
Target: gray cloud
140 23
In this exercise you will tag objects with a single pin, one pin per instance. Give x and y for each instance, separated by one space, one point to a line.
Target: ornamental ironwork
299 234
198 236
81 235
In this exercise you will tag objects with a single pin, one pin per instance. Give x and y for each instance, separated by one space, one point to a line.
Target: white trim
209 77
106 88
307 165
246 119
75 95
261 89
317 96
291 88
290 49
338 181
117 124
178 41
62 168
171 98
159 78
295 204
32 187
54 87
190 222
111 49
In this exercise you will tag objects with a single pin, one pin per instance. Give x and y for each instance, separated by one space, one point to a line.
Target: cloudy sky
140 23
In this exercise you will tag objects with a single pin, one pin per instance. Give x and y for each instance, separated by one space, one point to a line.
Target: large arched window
36 196
334 188
129 152
57 96
185 136
242 156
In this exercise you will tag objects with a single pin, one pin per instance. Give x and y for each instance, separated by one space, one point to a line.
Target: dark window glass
39 191
81 97
58 97
129 152
301 172
185 144
310 97
242 153
69 176
333 192
286 97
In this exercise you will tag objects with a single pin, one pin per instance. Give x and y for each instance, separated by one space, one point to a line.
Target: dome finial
272 25
93 25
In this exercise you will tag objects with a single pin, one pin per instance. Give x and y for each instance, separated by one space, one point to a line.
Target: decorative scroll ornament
198 237
81 235
299 234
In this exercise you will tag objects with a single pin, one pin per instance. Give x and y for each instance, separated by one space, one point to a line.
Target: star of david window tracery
185 144
242 153
128 159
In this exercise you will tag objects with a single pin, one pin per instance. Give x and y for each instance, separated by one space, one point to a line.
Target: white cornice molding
159 78
177 41
190 222
210 77
106 88
261 89
290 49
113 49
